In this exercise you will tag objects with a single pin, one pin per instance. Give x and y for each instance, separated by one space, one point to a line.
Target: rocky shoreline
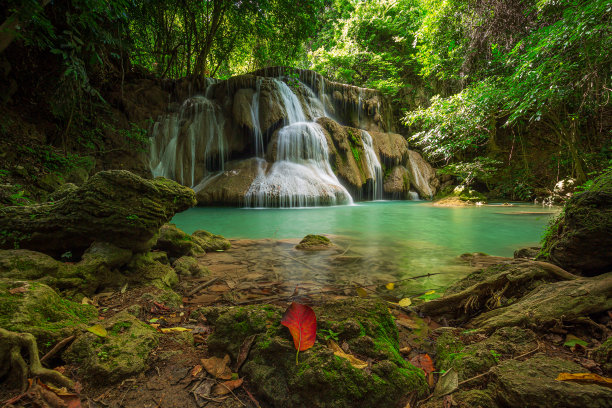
135 313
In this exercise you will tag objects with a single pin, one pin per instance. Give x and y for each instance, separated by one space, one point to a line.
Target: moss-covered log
113 206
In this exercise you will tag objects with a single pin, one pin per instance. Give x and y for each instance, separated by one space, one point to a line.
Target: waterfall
187 146
374 166
413 196
301 175
257 135
421 173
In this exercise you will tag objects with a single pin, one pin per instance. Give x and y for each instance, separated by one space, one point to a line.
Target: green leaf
98 330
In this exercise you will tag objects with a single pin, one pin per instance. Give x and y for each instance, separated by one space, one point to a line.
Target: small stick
202 286
56 349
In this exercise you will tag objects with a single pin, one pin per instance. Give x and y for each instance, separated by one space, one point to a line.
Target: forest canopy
465 76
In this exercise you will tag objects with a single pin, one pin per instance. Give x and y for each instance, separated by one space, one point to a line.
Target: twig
202 286
251 397
56 349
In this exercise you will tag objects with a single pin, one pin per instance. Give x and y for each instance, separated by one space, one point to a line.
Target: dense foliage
474 78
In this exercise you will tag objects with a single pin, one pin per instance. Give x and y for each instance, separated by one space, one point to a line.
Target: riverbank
142 322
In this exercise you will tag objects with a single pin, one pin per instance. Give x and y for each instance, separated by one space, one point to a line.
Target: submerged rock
123 352
579 239
113 206
365 326
313 242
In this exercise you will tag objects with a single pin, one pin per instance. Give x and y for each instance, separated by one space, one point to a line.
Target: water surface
382 240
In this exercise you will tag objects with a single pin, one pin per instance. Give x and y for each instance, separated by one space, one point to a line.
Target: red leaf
302 324
424 362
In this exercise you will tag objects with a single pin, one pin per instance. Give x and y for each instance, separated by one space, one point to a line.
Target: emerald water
385 240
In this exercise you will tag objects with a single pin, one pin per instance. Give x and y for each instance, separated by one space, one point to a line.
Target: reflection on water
376 242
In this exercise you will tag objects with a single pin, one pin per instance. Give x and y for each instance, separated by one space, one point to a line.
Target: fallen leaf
21 289
447 383
98 330
407 322
424 362
431 292
244 351
174 329
302 324
405 350
218 367
226 387
587 378
405 302
196 370
354 361
573 341
430 295
361 292
390 286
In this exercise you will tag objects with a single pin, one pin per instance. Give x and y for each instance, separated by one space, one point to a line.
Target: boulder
230 186
603 356
123 352
211 242
313 242
113 206
397 182
515 385
422 175
35 308
579 239
241 108
527 252
189 266
177 243
365 326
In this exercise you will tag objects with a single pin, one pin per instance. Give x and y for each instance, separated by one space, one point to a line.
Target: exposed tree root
11 346
511 281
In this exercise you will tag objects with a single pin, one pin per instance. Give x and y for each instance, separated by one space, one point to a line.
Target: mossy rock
271 365
112 206
211 242
189 266
532 383
603 356
312 242
50 182
466 399
146 268
177 243
579 239
63 191
39 310
473 359
123 352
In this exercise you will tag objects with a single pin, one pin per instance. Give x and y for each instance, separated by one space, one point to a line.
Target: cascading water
257 135
374 167
185 146
301 175
280 139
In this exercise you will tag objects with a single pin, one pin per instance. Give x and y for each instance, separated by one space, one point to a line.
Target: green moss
120 354
41 311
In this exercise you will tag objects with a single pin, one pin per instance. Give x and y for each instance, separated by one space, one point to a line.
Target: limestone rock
397 182
122 353
148 269
579 239
516 386
422 176
603 356
241 108
35 308
177 243
366 326
230 186
527 252
313 242
189 266
211 242
113 206
392 148
63 191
